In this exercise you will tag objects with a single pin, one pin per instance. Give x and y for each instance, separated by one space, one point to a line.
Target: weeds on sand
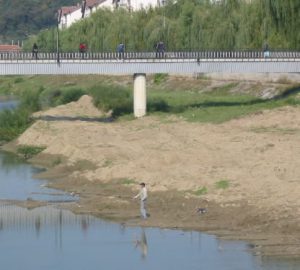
127 181
222 184
107 163
200 191
29 151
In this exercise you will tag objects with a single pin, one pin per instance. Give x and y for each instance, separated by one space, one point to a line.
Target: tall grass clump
72 94
13 123
29 99
56 96
111 97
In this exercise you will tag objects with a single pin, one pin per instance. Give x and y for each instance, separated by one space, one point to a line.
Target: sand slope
258 155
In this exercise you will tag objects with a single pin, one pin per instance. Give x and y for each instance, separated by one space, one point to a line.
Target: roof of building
69 9
92 3
10 48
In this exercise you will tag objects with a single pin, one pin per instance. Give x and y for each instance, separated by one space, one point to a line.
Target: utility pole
163 2
83 6
57 34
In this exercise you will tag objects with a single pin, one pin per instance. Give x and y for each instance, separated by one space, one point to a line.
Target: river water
47 238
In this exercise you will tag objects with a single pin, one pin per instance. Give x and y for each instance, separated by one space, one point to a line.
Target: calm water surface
8 104
50 238
17 182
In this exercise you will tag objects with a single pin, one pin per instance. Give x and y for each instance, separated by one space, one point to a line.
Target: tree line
21 18
185 25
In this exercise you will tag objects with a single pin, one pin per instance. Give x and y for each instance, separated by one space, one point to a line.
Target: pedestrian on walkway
143 199
35 50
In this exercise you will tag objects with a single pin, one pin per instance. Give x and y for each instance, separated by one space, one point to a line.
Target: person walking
143 199
160 49
121 50
266 50
82 49
35 51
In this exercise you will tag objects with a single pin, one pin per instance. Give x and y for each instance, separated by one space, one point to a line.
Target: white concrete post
139 94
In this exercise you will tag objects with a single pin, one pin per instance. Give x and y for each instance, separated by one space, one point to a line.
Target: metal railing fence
198 55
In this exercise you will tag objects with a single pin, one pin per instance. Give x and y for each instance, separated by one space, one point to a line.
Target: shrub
116 98
72 94
49 97
29 99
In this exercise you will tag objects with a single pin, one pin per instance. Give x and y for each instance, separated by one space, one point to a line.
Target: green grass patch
18 80
127 181
222 184
217 106
29 151
160 77
200 191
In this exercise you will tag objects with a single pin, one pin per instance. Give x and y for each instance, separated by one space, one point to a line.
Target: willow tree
285 17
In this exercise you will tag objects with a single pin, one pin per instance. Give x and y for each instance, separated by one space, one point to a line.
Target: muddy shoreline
182 164
172 209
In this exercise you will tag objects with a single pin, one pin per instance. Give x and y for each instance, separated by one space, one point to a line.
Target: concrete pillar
139 94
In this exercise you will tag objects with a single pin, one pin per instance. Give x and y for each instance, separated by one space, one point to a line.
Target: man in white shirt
143 197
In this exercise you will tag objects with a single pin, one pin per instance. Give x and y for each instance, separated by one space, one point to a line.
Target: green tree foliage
21 18
186 25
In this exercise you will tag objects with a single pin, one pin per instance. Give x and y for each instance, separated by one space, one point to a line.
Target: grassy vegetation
160 77
200 191
112 97
34 93
29 151
215 107
127 181
222 184
114 93
13 123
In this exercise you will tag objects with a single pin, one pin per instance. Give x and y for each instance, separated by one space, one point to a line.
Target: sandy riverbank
258 156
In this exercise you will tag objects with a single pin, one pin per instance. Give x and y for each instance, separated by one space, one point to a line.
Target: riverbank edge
170 209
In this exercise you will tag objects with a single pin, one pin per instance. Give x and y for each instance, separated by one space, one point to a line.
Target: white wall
107 4
68 19
75 16
138 4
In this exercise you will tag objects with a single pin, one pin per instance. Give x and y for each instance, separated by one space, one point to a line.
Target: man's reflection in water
37 225
142 244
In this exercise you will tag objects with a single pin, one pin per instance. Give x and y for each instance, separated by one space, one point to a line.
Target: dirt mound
84 107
